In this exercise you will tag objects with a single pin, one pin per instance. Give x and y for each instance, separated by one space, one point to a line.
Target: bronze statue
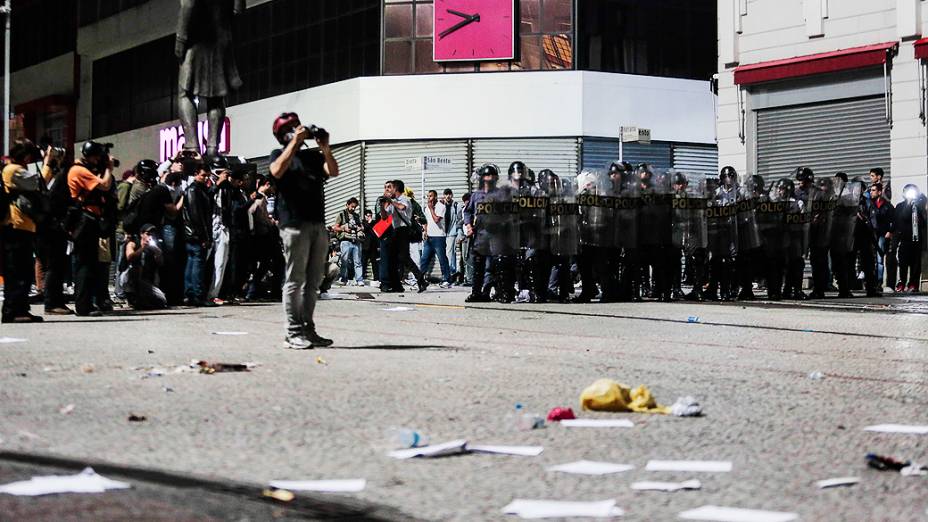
207 66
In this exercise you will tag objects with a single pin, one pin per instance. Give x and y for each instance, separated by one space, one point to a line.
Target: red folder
383 225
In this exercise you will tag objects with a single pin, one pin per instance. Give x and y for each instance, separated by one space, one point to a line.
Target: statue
207 66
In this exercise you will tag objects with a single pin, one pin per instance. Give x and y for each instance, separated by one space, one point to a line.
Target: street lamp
6 10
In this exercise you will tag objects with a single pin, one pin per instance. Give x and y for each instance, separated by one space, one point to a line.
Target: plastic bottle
407 438
525 421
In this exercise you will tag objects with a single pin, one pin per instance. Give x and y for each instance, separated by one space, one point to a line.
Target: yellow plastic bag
608 395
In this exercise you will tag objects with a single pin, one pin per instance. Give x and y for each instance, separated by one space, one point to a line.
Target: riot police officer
723 235
561 220
489 218
799 220
689 234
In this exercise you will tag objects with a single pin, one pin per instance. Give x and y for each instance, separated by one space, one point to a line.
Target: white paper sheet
588 467
398 309
322 486
728 514
230 333
898 428
598 423
666 486
839 481
435 450
698 466
522 451
560 509
86 481
10 340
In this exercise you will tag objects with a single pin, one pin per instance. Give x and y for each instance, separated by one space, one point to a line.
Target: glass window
557 16
424 20
424 57
397 57
397 22
530 11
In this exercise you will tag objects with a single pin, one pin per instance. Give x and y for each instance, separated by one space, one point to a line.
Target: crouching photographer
90 180
24 202
139 268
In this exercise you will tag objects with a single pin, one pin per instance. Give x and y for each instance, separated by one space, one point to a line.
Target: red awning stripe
921 49
812 64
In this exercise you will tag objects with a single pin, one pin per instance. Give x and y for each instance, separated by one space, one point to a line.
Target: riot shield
532 203
798 221
689 214
771 222
656 214
627 206
496 225
563 217
595 199
722 221
748 231
844 217
823 203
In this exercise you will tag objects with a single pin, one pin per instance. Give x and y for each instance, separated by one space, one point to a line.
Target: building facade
554 92
833 85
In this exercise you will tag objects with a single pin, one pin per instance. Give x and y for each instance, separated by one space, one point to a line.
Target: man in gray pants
300 177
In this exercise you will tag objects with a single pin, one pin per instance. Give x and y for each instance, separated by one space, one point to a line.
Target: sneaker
59 310
444 284
342 283
25 318
422 286
217 301
911 289
297 342
477 298
375 284
316 340
359 283
524 297
899 288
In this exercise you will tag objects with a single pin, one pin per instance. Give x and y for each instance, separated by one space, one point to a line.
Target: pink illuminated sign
171 139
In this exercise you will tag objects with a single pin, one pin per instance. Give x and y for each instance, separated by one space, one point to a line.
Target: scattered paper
281 495
322 486
728 514
835 482
230 333
11 340
898 428
686 407
560 509
587 467
913 470
521 451
598 423
398 309
666 486
66 409
435 450
86 481
700 466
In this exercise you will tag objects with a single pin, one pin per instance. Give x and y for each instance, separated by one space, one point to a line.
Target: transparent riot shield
656 215
722 220
496 224
563 217
689 205
532 203
748 231
627 206
823 202
798 221
771 222
594 197
844 217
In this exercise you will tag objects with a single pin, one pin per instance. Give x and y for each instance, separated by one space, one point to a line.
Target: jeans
882 242
86 268
466 259
53 246
401 261
351 253
435 246
193 275
19 267
175 261
305 251
451 254
221 252
384 268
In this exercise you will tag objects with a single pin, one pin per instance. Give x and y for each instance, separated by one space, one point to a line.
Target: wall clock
473 30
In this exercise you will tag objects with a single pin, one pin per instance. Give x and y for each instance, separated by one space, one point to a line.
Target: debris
322 486
86 481
520 451
398 309
608 395
66 409
154 372
150 352
898 428
211 368
87 368
229 333
836 482
561 509
137 418
559 414
598 423
816 376
692 319
279 494
667 486
11 340
407 438
729 514
167 389
699 466
320 360
686 407
913 470
439 450
526 421
884 463
21 375
587 467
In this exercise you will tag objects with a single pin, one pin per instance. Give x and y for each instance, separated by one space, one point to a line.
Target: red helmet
285 121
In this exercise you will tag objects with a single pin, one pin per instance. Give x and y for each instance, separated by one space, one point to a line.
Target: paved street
455 372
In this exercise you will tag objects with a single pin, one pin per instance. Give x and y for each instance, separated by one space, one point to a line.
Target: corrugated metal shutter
702 159
263 163
557 154
846 135
347 184
599 153
386 161
656 154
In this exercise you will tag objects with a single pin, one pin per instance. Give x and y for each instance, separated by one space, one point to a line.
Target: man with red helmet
300 176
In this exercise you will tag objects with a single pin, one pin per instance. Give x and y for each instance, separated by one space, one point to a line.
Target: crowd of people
199 231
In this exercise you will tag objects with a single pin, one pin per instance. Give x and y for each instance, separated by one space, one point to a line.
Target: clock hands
468 19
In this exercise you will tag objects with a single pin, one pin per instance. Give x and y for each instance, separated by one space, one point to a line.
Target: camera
318 132
106 151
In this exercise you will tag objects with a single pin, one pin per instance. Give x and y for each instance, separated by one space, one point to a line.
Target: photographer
25 190
88 190
139 268
172 235
222 190
52 246
300 206
351 235
198 231
265 239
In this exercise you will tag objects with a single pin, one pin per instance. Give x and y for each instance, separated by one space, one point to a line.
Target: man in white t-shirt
435 243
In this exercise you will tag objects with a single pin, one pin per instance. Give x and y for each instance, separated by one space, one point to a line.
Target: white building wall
49 78
777 29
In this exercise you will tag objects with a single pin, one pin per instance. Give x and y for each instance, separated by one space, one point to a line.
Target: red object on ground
559 414
383 225
808 65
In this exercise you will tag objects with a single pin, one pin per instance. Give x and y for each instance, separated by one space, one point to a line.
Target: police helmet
728 172
92 148
616 168
517 167
547 178
804 174
488 169
679 178
146 170
787 185
218 164
758 182
529 177
644 168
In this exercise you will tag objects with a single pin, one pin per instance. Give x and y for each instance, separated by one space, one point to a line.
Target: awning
921 49
834 61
